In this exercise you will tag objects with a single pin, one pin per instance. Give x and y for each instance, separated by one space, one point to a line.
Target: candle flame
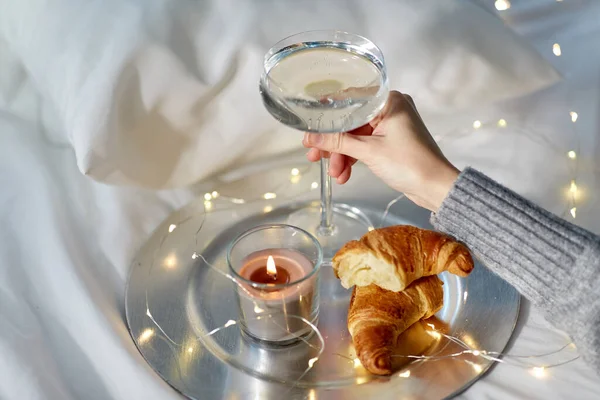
271 269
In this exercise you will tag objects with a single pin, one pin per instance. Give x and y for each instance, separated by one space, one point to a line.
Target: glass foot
349 223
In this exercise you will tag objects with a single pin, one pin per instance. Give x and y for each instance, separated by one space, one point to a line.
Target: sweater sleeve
553 263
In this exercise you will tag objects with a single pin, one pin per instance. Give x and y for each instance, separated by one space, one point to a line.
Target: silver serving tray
175 302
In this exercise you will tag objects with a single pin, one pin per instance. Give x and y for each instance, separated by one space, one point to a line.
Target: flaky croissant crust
377 317
395 256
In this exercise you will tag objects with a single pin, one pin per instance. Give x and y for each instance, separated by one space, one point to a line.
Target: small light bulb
269 196
572 155
502 5
172 227
574 212
295 171
361 379
207 196
170 261
435 334
190 349
405 374
538 372
477 124
469 341
502 123
573 187
556 49
574 116
146 335
257 309
207 205
215 194
476 353
314 185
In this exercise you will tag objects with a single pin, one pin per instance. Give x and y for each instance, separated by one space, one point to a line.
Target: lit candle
276 287
271 275
276 269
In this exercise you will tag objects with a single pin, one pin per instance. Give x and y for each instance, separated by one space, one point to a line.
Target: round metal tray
182 314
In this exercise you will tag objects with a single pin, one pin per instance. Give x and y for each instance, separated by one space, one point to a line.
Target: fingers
345 175
412 103
340 167
316 154
313 155
364 130
410 100
397 103
338 161
337 164
343 143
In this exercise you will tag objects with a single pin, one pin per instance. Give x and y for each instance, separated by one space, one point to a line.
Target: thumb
343 143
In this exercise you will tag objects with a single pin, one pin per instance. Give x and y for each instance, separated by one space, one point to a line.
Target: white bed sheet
163 93
66 241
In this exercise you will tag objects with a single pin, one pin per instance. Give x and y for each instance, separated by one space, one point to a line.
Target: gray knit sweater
554 264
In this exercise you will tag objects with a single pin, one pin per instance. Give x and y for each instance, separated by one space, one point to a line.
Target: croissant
377 317
394 257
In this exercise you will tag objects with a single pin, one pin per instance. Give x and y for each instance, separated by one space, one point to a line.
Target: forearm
553 263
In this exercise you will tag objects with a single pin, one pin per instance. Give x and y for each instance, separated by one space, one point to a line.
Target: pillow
160 93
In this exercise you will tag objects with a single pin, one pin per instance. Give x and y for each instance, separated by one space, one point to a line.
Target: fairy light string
297 177
528 361
466 354
573 189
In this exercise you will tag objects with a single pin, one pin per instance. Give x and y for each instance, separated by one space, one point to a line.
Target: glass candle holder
276 268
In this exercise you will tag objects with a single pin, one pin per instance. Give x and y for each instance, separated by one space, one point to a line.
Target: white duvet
160 93
104 105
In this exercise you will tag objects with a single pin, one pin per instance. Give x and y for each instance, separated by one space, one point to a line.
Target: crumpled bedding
162 94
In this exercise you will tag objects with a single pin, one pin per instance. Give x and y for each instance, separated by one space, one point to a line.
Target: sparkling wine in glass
325 82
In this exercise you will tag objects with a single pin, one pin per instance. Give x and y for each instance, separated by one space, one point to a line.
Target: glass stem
326 226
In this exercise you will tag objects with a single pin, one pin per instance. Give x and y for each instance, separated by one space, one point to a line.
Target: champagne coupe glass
325 82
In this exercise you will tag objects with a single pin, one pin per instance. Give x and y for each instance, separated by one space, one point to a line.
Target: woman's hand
397 147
